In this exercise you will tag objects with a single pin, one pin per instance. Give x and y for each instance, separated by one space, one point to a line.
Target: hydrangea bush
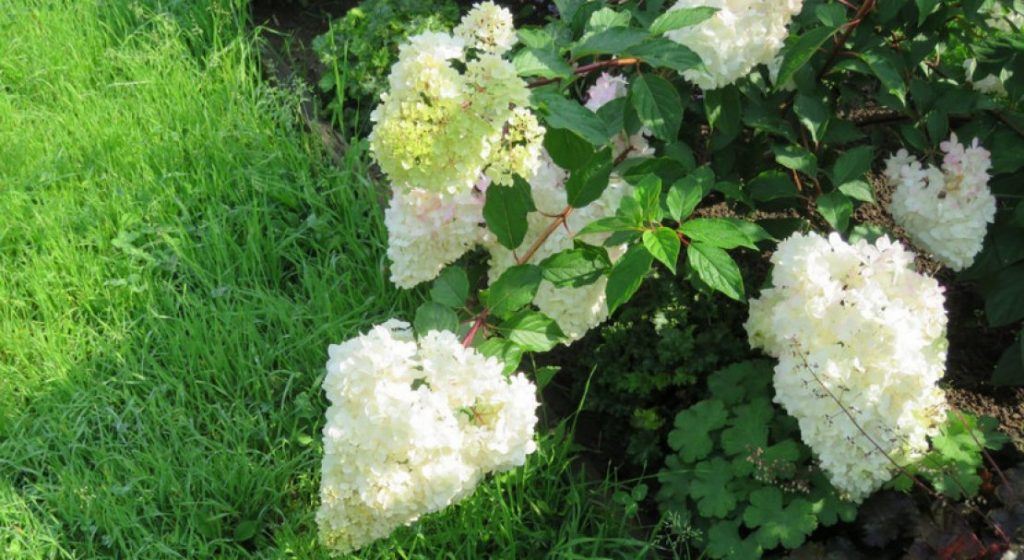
538 175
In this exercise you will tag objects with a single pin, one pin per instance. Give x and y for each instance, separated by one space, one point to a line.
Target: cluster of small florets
741 35
412 427
488 27
945 211
437 128
857 333
428 231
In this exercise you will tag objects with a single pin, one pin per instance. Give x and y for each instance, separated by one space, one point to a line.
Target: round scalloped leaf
692 436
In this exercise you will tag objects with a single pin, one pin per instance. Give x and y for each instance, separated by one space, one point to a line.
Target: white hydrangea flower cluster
857 323
945 211
741 35
437 128
412 428
488 27
428 231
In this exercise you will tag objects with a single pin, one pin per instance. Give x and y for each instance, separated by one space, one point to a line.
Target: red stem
588 68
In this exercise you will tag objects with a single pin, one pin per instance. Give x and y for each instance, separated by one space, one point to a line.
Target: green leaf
246 530
813 114
801 51
716 269
560 112
772 185
683 197
1004 296
664 53
544 375
567 149
691 438
658 105
567 8
678 19
432 316
663 244
576 267
724 541
743 381
609 225
776 525
545 63
451 288
712 489
725 233
836 208
513 290
1010 368
648 198
724 109
535 38
749 428
852 164
798 158
606 18
505 210
626 276
884 68
586 184
613 40
925 8
858 190
505 351
532 330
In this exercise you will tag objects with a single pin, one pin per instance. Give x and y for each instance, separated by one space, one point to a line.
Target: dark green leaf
626 276
852 164
608 225
716 269
925 8
658 105
678 19
801 51
544 375
560 112
505 351
648 198
1004 296
663 53
772 185
663 244
545 63
513 290
505 210
798 158
613 40
858 190
1010 368
451 288
724 233
683 197
813 114
885 69
586 184
432 316
691 437
724 109
836 208
776 525
532 330
246 530
576 267
567 149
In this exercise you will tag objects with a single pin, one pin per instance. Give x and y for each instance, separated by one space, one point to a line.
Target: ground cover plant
177 251
538 175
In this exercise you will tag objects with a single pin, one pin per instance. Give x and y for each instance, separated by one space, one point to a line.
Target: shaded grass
176 255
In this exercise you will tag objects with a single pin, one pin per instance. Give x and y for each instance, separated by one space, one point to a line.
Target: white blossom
741 35
412 427
488 27
854 328
947 211
428 231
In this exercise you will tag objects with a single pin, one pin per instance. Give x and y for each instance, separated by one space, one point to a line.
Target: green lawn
176 255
